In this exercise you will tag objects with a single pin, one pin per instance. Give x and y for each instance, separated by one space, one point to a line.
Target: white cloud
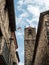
32 20
42 3
18 20
25 14
27 26
38 3
28 1
45 2
34 10
20 2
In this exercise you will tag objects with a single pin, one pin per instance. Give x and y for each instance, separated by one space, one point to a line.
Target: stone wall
4 50
42 55
13 53
7 42
29 42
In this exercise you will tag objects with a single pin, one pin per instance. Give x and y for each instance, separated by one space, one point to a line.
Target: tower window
47 23
48 35
29 32
47 32
14 63
47 29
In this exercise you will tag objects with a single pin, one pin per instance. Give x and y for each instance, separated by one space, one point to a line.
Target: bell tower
29 42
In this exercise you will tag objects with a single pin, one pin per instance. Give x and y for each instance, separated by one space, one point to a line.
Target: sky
27 13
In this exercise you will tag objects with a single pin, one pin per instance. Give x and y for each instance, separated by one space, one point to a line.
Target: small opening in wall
29 32
48 42
0 33
14 63
47 23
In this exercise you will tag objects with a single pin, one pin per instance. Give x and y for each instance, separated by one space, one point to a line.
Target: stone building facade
8 42
29 43
41 51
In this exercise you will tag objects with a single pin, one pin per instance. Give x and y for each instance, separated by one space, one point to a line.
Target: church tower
29 42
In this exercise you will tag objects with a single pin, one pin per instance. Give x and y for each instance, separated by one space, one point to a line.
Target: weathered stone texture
7 40
42 54
29 42
4 51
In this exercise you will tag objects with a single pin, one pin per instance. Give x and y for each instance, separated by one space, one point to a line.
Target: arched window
29 32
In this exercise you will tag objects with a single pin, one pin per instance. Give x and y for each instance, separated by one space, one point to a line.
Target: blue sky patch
27 13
